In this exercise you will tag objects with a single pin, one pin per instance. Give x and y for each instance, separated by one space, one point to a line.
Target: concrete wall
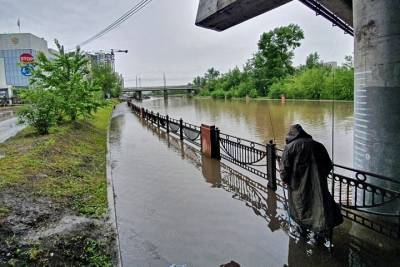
22 41
2 74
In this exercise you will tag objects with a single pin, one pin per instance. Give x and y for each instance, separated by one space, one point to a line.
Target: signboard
26 60
26 70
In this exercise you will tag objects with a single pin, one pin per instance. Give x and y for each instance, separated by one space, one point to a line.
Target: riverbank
53 196
274 99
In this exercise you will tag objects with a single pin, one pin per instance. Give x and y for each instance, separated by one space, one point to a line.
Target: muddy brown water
176 207
263 120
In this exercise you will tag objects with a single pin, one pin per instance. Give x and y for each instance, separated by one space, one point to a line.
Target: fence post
167 123
158 120
216 144
181 129
271 165
209 139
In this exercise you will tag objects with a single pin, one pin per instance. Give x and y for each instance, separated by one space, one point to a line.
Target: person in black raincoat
305 166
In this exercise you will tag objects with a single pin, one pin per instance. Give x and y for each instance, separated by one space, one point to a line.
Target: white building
17 53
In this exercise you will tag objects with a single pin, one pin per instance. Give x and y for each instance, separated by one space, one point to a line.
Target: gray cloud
163 37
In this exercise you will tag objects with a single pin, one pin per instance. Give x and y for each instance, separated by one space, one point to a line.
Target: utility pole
136 82
165 86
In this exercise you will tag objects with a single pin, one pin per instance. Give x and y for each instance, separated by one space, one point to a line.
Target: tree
312 61
211 74
106 79
199 81
67 76
348 62
273 61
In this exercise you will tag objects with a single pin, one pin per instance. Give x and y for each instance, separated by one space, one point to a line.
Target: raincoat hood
295 132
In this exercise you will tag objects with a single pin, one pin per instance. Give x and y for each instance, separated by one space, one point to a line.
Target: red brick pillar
210 141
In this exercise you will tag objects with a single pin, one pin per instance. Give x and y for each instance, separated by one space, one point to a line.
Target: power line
138 7
119 21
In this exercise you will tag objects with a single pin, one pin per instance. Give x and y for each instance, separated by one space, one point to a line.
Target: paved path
8 127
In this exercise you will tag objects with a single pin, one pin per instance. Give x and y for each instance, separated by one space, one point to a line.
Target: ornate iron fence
184 130
358 192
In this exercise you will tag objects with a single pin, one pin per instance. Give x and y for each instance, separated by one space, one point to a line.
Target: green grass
68 165
4 211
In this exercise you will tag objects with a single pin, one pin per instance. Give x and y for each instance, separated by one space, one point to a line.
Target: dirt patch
40 232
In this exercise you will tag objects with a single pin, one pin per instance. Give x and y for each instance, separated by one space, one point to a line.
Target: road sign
27 70
26 58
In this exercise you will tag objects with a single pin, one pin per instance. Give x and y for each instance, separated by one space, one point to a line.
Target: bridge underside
220 15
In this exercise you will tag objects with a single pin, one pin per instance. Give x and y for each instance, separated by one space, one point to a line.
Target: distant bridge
137 91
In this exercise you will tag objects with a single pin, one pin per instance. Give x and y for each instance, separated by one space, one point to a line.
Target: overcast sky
163 37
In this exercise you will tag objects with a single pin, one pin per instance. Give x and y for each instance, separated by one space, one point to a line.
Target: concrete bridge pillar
377 89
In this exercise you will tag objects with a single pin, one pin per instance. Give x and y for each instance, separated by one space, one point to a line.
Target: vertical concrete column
209 136
377 89
165 93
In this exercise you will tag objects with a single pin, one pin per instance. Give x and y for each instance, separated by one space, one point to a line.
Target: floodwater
176 207
263 120
8 123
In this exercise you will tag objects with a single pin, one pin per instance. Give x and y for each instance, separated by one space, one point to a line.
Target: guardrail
356 191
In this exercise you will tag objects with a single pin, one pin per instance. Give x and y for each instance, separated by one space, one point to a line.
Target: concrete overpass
137 91
375 25
220 15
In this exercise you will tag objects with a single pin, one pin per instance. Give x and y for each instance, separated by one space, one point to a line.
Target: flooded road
262 120
176 207
8 123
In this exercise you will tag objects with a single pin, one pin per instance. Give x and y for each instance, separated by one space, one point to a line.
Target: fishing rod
271 123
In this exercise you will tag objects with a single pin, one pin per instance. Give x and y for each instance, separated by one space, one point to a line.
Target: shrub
40 112
218 94
229 94
253 93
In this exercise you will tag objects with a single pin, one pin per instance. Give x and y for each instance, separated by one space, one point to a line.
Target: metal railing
357 191
184 130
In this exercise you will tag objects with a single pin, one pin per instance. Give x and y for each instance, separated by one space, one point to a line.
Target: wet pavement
8 123
175 206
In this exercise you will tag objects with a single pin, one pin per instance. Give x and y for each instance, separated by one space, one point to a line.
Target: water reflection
251 120
7 113
268 205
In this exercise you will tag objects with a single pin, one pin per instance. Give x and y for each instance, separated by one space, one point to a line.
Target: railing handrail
376 176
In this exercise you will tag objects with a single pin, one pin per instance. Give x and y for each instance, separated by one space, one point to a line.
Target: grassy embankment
64 174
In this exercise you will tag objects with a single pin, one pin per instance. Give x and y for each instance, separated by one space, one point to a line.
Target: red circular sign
26 58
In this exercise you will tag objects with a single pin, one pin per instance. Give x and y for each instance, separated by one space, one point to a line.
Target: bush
253 93
229 94
204 93
218 94
41 110
276 90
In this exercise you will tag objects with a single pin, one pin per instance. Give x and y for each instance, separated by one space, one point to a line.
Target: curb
112 212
